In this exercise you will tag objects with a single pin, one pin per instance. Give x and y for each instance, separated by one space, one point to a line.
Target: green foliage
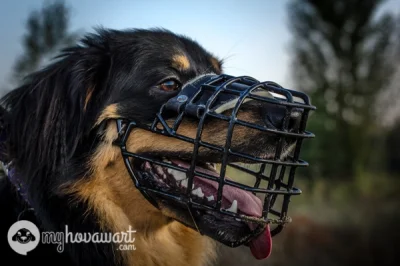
46 32
393 149
343 59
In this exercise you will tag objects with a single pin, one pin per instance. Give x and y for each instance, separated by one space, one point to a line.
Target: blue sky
251 35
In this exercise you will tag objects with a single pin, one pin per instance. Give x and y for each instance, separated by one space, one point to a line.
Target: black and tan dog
60 133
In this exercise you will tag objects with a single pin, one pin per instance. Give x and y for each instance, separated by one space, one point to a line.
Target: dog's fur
60 141
61 131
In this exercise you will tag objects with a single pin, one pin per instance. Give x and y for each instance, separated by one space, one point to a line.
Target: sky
252 36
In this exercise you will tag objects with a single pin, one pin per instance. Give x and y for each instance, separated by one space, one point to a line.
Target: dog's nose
23 238
274 117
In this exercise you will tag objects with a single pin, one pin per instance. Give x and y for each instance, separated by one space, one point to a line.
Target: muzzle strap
186 97
194 101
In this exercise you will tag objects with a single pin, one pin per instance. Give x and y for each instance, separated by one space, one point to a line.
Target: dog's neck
159 240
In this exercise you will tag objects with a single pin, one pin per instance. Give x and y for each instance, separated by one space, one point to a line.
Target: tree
47 32
342 57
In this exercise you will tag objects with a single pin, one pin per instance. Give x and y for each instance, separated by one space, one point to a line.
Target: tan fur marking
215 132
112 196
110 111
88 97
180 62
216 64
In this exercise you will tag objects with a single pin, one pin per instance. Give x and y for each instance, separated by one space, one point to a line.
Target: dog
60 137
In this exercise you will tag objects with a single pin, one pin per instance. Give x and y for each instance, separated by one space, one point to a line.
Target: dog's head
67 123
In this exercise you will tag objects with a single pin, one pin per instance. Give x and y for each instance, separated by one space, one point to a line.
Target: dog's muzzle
221 97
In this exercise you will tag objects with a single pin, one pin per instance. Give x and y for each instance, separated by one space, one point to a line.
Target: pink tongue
248 204
261 246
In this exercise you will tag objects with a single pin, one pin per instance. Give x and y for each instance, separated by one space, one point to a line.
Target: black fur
51 132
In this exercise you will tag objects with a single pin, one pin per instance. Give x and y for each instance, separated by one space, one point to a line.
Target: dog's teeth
211 166
159 170
177 174
166 161
198 192
184 183
210 198
237 219
147 166
233 207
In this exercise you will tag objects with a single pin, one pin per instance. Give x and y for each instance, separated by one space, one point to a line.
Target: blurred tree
47 32
393 148
343 58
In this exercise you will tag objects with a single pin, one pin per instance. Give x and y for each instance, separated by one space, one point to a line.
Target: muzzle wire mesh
276 173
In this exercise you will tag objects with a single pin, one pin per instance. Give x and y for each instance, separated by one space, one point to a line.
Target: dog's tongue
261 246
247 203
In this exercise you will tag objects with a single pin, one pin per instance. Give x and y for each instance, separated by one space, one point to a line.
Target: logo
23 236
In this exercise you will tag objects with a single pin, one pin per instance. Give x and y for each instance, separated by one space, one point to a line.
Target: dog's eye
170 85
19 233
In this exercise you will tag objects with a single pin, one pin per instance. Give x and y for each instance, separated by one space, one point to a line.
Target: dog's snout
274 117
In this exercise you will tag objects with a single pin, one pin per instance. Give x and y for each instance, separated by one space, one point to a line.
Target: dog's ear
33 238
14 238
54 109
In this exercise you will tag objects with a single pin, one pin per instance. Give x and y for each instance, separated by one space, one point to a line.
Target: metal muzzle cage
221 97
